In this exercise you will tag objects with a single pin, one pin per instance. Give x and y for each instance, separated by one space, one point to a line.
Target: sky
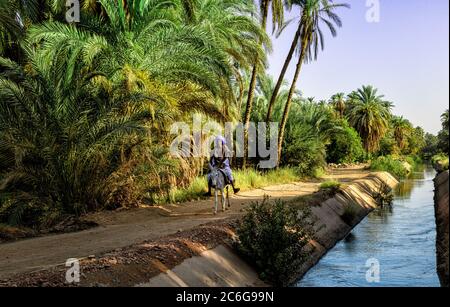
405 55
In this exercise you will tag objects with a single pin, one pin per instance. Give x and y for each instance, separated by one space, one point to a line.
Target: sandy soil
128 227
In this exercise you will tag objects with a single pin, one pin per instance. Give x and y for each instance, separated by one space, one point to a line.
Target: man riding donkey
219 158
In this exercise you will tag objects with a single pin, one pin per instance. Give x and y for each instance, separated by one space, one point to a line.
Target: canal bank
441 202
223 267
394 246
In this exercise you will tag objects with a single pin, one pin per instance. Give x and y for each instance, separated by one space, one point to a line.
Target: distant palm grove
86 107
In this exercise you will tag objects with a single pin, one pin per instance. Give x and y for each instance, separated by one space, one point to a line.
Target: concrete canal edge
441 204
221 266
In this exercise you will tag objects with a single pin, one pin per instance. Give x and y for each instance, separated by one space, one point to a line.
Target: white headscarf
220 146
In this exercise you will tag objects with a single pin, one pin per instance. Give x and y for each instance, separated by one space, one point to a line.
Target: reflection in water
404 189
415 180
401 237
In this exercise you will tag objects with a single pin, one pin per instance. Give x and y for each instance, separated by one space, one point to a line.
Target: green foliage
330 184
68 150
331 187
443 136
431 146
273 235
338 102
369 114
252 179
388 145
390 164
345 147
402 131
384 196
416 142
85 121
308 130
440 162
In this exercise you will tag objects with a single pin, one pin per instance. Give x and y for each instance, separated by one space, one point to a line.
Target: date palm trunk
281 77
251 91
289 101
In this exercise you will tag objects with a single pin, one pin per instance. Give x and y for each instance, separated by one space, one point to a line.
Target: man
219 158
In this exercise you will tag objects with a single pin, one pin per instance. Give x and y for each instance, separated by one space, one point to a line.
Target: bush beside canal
273 235
399 166
440 162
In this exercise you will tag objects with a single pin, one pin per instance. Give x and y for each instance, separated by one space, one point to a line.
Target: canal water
391 247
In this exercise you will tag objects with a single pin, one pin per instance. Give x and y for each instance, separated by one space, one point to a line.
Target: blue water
401 238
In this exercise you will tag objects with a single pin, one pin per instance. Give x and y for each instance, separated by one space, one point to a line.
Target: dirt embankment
441 201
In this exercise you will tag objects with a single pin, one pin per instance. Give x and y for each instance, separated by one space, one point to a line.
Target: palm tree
99 96
444 120
443 138
311 39
338 103
295 47
309 129
277 9
11 29
402 131
183 64
231 24
263 92
369 114
60 146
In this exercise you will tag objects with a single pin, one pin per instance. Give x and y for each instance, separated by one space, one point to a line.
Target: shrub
384 196
388 145
345 147
349 214
390 164
273 236
306 155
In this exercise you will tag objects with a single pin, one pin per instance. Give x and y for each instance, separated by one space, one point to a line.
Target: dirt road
119 229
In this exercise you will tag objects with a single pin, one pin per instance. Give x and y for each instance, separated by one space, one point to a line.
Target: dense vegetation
274 236
86 107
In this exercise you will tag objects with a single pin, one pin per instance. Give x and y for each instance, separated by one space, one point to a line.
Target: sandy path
119 229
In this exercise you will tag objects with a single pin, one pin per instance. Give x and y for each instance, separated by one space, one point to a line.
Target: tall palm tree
311 39
369 114
295 47
338 103
277 9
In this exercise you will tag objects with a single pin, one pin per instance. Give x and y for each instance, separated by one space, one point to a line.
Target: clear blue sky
405 55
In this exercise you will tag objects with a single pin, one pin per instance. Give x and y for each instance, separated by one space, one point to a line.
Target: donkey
219 183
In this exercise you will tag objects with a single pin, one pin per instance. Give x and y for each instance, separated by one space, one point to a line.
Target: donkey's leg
222 194
216 200
228 197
